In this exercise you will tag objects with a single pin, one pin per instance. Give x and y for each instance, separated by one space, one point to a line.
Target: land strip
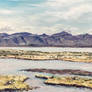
38 55
67 81
63 71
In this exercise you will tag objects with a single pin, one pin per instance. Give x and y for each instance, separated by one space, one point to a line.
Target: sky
46 16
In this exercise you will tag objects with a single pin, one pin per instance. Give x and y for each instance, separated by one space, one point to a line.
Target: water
50 49
12 66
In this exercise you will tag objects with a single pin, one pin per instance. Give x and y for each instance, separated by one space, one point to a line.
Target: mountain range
62 39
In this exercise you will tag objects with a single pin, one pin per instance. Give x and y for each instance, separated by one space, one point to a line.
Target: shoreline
67 81
43 56
38 55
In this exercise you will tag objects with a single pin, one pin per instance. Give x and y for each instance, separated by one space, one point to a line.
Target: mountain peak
44 35
22 33
63 33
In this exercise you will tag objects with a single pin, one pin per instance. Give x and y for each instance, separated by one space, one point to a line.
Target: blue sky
46 16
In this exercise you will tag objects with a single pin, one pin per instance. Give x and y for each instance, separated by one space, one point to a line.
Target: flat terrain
38 55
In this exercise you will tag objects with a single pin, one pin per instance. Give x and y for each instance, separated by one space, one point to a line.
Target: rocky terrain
38 55
62 39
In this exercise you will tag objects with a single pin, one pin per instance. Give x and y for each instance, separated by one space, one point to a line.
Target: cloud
67 9
62 3
6 11
77 12
46 16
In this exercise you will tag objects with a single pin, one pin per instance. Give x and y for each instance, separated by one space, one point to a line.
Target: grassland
38 55
67 81
10 82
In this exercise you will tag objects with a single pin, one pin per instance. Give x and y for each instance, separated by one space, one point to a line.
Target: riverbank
38 55
12 67
67 81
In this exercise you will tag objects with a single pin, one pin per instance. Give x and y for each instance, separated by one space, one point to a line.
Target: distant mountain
62 39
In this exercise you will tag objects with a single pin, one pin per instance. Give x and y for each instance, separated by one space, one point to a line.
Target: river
50 49
12 66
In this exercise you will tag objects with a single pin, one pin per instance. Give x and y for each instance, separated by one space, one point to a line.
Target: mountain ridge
62 39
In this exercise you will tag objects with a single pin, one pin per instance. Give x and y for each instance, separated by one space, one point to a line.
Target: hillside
62 39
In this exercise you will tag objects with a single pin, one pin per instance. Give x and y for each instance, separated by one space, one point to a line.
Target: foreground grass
67 81
10 82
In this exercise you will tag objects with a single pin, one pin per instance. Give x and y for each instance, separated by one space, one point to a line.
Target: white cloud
90 31
67 9
47 17
77 12
6 11
60 3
